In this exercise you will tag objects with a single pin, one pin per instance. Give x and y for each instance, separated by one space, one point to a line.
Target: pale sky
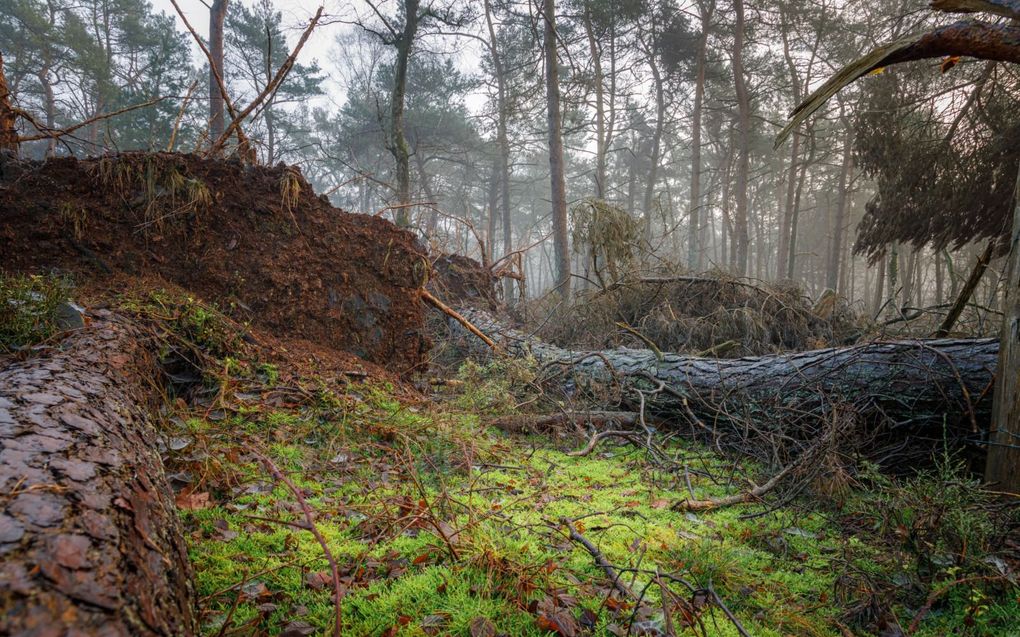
321 45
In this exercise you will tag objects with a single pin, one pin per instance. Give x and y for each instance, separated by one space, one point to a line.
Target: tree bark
217 15
660 123
1003 467
90 543
557 180
397 140
8 120
740 236
600 108
836 247
503 140
916 385
791 254
694 248
968 291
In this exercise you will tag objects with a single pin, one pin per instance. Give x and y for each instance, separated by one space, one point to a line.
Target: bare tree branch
271 88
1005 8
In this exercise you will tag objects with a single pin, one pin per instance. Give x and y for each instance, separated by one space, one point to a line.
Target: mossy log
90 542
922 387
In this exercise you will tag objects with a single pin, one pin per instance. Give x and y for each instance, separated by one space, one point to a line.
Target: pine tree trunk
836 247
90 543
656 154
558 184
919 385
694 248
397 141
217 16
600 108
502 139
740 233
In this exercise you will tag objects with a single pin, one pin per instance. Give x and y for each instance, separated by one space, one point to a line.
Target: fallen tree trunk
90 543
914 387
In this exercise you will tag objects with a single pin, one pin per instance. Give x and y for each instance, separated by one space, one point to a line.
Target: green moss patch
438 524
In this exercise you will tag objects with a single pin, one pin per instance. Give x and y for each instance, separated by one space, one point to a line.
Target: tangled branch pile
711 314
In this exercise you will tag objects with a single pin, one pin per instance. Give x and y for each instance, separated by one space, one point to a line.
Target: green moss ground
436 521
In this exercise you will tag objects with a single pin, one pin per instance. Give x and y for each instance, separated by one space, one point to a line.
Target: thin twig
310 518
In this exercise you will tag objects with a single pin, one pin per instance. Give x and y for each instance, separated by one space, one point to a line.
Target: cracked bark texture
917 385
90 542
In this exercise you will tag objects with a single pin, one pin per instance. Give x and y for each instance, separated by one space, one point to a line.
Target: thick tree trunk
916 385
90 543
8 120
1004 454
558 184
217 15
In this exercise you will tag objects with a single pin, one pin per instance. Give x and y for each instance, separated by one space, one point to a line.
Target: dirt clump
464 282
255 239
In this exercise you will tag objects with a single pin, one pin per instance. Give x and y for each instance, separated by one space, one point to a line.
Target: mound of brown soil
464 282
255 240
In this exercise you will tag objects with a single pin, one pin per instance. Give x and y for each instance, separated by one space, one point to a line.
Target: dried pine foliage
963 166
713 314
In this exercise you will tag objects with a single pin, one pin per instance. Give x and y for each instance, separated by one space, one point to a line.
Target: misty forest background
669 111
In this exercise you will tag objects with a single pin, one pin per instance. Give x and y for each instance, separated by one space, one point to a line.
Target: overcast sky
322 44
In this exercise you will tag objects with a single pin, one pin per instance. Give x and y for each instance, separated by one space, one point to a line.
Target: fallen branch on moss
600 559
338 590
746 497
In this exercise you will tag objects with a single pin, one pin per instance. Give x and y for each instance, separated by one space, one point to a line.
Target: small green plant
499 386
943 518
268 373
28 309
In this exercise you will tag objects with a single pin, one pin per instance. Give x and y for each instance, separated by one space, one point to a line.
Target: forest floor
438 522
440 525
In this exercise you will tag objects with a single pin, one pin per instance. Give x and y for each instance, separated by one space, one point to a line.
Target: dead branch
1004 8
338 590
717 351
242 140
452 313
599 437
740 498
180 117
968 290
271 88
50 133
600 559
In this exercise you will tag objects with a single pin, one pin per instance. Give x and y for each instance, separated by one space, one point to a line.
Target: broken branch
455 315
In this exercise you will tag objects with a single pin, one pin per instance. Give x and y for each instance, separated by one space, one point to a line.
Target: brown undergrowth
713 314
